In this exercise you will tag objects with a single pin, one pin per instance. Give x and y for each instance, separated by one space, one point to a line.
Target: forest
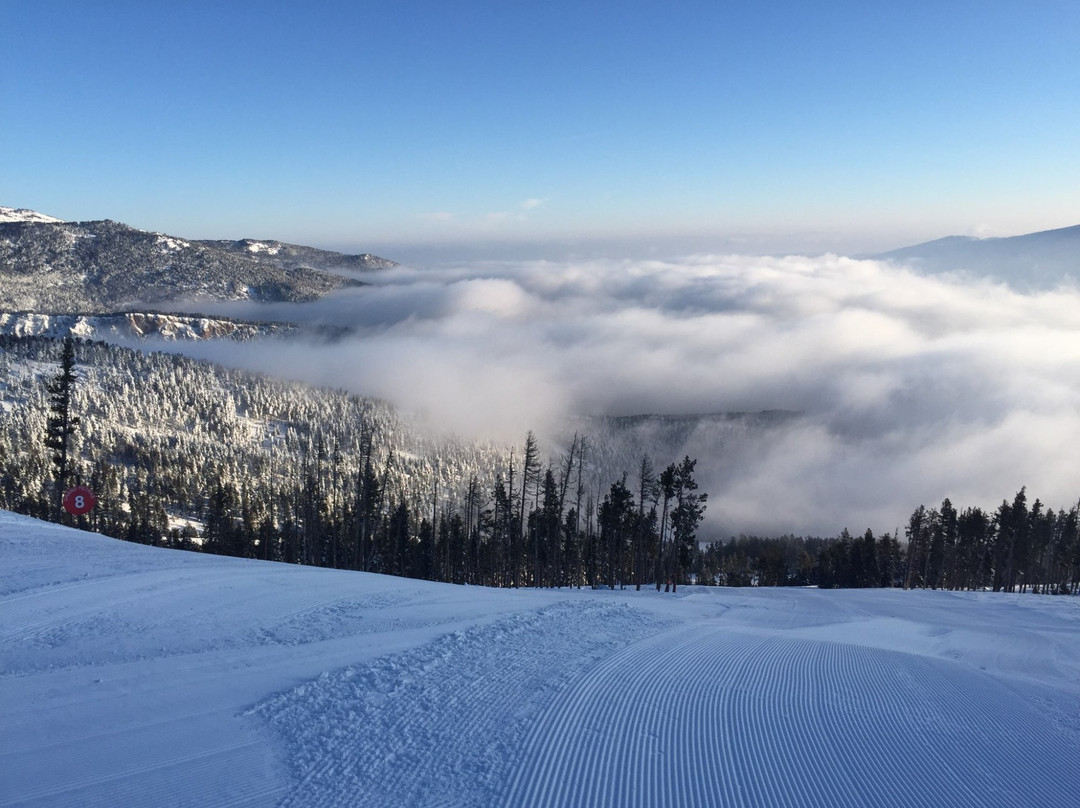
190 455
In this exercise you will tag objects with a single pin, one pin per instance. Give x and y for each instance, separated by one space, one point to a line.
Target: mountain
194 426
24 215
1033 261
293 256
101 266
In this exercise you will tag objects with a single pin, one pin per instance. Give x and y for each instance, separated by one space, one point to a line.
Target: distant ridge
1032 261
291 256
138 325
24 215
48 265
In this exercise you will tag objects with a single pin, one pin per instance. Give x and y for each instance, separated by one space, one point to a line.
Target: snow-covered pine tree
61 422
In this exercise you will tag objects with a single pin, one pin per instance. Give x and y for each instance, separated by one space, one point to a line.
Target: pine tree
61 422
667 490
973 527
615 525
1011 541
918 533
869 572
546 532
530 470
648 488
688 513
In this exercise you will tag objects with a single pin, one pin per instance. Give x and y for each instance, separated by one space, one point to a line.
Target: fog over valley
901 388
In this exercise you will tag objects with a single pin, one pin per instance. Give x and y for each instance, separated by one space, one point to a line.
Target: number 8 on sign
79 500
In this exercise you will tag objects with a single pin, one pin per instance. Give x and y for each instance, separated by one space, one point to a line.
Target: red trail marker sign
79 500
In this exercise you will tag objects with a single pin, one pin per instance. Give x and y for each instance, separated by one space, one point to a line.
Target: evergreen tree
888 561
947 537
973 532
869 570
530 470
546 531
686 517
648 489
1011 541
499 572
615 528
918 532
61 422
663 563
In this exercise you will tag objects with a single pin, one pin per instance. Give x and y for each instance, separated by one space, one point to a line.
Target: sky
434 131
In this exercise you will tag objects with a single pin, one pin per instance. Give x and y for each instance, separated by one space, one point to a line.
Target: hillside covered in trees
187 454
102 266
190 455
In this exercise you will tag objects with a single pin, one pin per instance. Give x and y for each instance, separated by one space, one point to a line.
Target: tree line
338 491
1015 548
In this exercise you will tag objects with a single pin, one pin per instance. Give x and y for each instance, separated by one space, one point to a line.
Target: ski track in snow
708 716
441 725
590 705
111 778
132 676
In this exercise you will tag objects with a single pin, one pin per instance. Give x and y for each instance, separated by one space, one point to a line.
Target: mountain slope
24 215
295 256
1034 260
131 325
139 676
67 267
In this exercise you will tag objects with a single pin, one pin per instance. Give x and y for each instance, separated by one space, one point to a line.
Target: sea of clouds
909 388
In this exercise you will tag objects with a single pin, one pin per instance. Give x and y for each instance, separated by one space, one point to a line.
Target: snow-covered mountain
195 426
289 256
1032 261
136 325
135 675
24 215
104 266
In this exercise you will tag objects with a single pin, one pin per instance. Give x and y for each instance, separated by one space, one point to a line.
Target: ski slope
133 676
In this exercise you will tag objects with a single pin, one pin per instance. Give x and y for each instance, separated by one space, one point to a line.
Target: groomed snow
134 676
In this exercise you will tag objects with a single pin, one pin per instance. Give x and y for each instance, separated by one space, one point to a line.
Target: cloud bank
909 388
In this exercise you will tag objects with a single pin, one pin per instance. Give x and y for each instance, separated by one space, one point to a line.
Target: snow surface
135 676
25 215
261 247
170 243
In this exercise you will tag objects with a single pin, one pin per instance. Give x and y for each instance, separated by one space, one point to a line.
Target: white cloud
911 388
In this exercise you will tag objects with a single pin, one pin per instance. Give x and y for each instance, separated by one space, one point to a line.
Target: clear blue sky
783 125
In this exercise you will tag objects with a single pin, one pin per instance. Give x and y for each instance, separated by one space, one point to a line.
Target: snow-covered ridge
25 215
262 247
171 327
109 266
171 244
